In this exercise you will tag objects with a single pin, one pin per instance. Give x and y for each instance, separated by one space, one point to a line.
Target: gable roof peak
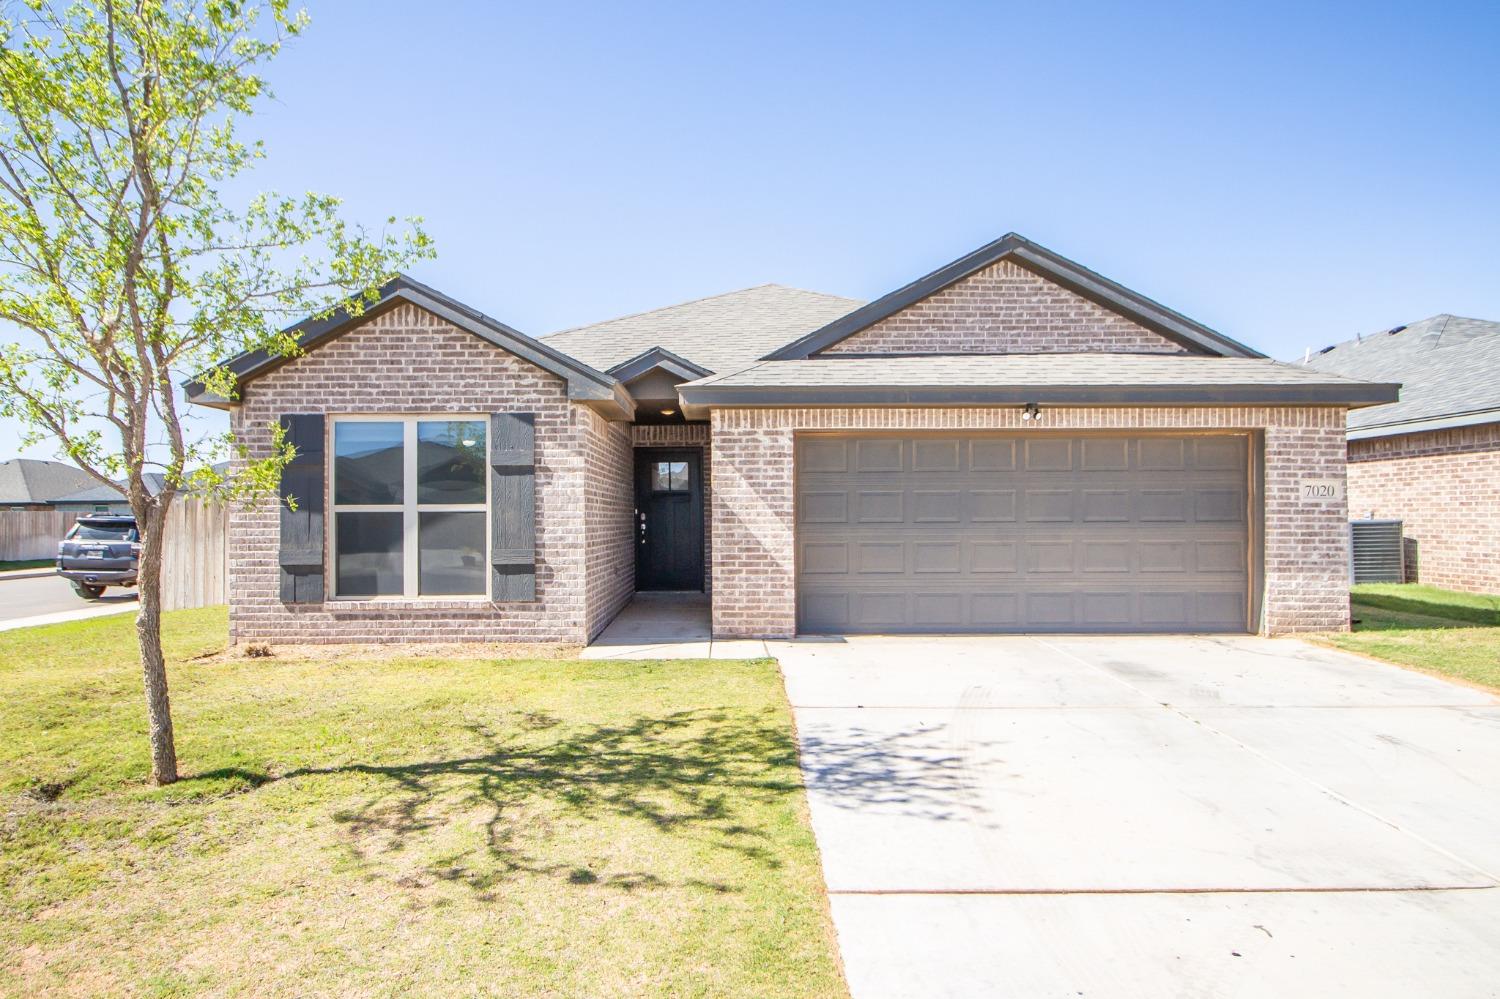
1041 261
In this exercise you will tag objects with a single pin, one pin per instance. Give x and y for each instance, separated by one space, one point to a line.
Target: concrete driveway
1150 817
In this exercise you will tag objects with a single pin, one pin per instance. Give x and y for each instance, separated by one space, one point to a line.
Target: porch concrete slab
1075 799
1375 945
668 626
739 648
1252 672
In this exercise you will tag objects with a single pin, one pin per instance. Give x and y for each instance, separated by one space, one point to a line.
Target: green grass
407 826
36 563
1416 598
1426 628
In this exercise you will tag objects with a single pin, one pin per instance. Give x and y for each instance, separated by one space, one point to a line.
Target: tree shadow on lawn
708 775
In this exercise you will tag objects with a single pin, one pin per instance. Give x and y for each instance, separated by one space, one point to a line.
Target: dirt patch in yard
391 652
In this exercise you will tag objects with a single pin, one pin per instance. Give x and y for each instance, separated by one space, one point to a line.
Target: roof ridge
691 301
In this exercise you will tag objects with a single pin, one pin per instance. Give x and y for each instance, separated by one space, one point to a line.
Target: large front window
410 506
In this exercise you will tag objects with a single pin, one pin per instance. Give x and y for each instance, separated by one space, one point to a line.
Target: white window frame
409 508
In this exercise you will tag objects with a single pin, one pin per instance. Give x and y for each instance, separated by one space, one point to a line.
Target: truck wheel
88 592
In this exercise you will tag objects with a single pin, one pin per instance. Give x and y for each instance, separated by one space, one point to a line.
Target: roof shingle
721 333
1448 366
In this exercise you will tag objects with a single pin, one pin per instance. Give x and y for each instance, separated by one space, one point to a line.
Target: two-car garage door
991 533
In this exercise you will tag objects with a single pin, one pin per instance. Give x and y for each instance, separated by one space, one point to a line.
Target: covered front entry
669 519
900 532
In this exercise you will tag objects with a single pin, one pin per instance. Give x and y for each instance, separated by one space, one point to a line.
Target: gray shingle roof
1448 367
27 480
721 333
1013 379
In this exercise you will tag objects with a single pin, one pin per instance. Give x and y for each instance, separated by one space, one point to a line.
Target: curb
27 574
63 617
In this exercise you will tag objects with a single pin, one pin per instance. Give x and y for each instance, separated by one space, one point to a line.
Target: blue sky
1289 175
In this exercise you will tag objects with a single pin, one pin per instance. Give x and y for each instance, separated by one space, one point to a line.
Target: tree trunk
148 637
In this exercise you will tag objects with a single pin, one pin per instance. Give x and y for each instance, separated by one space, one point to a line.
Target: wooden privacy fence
28 535
195 556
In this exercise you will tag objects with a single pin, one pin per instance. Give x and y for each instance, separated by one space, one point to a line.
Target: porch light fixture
668 412
1031 411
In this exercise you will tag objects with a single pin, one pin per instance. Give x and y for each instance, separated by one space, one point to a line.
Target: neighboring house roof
154 481
1448 366
1000 379
720 333
28 480
584 382
1059 269
98 494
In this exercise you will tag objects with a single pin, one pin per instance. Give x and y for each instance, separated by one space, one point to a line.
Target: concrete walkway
668 626
1147 817
61 617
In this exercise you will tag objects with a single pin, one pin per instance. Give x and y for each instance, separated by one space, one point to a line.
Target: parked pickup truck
99 550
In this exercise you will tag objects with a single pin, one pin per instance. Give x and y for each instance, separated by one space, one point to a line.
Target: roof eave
658 357
585 384
699 399
1447 422
1038 259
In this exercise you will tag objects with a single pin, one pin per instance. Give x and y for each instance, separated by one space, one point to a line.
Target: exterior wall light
1031 411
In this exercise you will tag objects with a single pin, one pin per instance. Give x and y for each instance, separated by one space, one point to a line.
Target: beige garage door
989 533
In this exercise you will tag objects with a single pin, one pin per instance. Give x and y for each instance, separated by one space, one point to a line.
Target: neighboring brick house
1431 460
1010 443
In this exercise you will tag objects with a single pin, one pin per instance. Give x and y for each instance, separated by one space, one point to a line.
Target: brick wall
1005 309
688 435
410 361
1444 485
1305 579
609 509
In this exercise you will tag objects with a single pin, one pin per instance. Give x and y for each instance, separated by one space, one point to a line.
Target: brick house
1010 443
1431 460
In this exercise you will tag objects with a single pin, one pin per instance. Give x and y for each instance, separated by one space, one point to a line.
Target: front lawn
412 826
1427 628
36 563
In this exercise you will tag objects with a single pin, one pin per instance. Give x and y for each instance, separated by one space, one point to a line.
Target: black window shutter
301 554
513 506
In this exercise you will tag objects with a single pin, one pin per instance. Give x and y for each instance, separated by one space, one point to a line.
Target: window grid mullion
411 563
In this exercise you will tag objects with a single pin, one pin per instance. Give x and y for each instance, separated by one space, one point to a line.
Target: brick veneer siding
1305 577
609 510
1444 485
1005 309
410 361
687 435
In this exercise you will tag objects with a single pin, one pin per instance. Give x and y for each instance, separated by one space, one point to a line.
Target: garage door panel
935 456
824 455
931 506
992 506
1049 506
1049 454
879 455
1105 454
880 506
992 455
993 533
825 507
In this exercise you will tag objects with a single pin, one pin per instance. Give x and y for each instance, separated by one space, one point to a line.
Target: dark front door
668 519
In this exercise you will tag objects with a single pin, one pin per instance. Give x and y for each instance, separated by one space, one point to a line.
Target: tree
123 265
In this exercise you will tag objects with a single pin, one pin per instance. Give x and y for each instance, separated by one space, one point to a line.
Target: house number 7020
1320 489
